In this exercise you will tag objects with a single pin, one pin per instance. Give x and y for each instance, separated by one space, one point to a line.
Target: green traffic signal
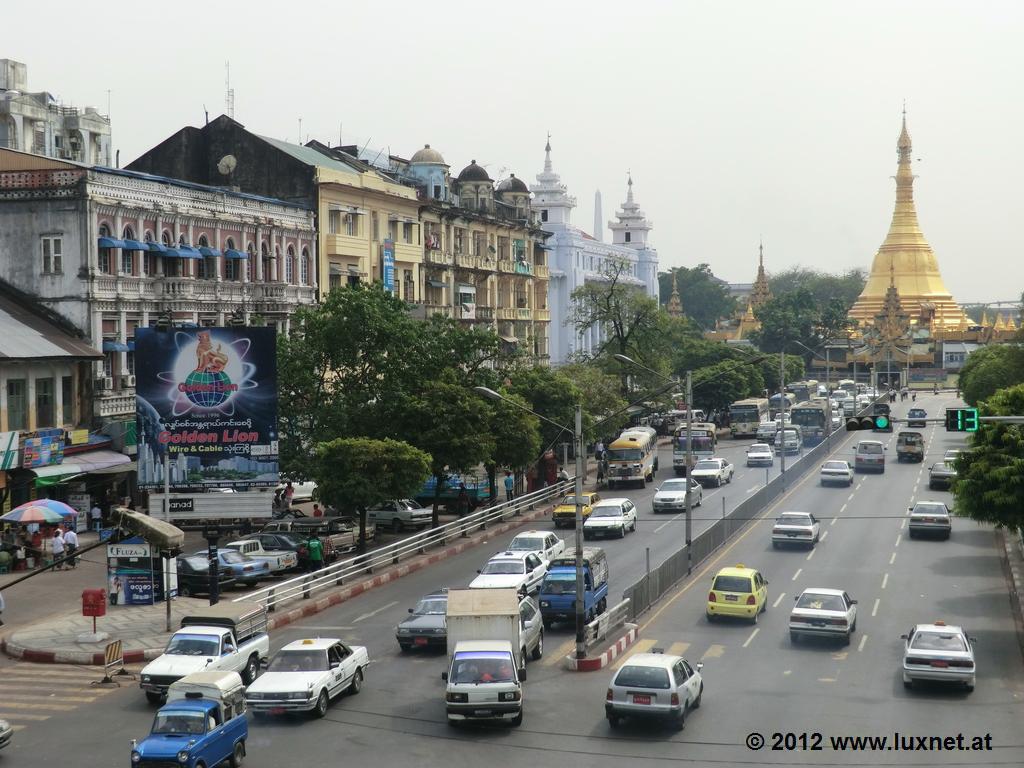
962 420
881 422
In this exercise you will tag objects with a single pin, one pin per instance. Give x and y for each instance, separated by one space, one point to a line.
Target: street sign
961 419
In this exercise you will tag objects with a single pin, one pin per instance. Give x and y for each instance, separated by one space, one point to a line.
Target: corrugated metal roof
309 156
28 335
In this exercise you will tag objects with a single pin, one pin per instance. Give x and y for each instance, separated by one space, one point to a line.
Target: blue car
194 732
244 569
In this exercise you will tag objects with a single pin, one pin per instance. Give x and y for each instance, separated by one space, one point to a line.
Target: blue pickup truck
558 590
202 725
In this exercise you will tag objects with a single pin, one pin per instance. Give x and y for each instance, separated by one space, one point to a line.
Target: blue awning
231 253
168 251
114 346
134 245
209 251
157 247
109 242
188 252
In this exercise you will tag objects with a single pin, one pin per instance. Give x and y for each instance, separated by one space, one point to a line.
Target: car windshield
624 454
819 602
794 518
837 465
706 465
870 448
179 721
193 645
527 544
431 606
633 676
230 556
938 641
731 584
606 512
758 448
504 567
930 509
482 667
674 486
939 467
299 661
559 583
197 563
570 501
917 412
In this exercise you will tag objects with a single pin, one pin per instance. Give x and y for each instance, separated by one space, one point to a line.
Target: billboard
206 407
388 265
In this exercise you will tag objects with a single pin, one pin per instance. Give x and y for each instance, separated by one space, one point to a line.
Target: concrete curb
306 609
1013 565
594 663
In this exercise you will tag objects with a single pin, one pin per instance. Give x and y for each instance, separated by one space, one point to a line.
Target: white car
823 612
523 571
939 652
305 675
543 543
766 430
712 472
671 496
760 455
836 473
610 517
800 528
301 491
654 686
930 518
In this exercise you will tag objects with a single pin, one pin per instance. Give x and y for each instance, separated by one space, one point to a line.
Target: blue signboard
388 264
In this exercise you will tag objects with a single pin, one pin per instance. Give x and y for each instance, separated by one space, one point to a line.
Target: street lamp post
689 468
581 644
782 413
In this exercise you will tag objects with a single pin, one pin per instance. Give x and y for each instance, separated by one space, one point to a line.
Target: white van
869 455
483 683
218 685
789 439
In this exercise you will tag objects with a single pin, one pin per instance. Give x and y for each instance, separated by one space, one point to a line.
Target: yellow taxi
738 591
564 515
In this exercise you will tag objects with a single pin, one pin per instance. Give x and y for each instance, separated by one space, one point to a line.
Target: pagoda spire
547 155
761 293
675 303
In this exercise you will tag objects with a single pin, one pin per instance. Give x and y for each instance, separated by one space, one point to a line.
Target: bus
802 390
633 457
705 440
849 385
746 415
813 420
787 400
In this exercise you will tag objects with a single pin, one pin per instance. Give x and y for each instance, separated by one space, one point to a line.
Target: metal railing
334 575
598 629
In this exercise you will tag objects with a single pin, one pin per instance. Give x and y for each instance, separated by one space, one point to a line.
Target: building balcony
506 313
484 313
515 267
524 314
433 256
444 310
466 261
541 271
542 314
115 404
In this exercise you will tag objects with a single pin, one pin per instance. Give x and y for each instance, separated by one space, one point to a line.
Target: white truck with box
224 637
496 614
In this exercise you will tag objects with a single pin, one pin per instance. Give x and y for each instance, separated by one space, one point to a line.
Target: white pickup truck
227 636
279 560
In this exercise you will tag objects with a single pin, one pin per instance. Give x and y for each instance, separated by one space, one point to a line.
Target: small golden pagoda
675 304
760 294
909 256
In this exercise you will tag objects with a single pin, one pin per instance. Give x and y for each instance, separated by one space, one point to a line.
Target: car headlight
146 678
183 756
545 604
299 695
402 630
136 757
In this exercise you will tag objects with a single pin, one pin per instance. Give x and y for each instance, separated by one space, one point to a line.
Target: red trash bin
94 602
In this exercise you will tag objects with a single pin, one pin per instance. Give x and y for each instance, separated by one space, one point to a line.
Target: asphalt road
756 681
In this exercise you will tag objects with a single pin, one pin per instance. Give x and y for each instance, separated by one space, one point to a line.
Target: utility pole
689 468
782 413
828 398
581 640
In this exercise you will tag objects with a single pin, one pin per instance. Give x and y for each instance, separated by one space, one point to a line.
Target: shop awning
171 252
231 253
157 247
134 245
436 283
510 339
207 251
57 470
103 461
336 269
188 252
109 242
114 346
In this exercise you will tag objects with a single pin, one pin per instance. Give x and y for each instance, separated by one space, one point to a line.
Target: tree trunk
361 546
492 483
437 497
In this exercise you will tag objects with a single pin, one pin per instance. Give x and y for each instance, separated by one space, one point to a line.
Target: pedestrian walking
600 474
57 546
96 515
510 485
599 450
71 546
316 553
462 502
289 492
563 475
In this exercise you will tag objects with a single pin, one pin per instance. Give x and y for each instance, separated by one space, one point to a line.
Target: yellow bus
633 457
746 415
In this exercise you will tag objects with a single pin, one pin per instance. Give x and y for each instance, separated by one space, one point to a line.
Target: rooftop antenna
340 142
299 141
229 92
206 112
108 103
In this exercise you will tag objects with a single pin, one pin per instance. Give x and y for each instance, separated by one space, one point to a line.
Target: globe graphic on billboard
208 389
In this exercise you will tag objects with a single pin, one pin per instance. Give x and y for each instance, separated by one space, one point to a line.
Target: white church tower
550 196
631 230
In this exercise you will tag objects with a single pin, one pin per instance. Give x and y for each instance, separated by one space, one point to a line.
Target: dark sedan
941 476
425 627
194 576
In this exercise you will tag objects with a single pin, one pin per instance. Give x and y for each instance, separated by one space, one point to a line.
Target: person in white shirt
96 514
71 545
57 544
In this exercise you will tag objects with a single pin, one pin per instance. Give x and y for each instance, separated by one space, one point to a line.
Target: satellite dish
226 165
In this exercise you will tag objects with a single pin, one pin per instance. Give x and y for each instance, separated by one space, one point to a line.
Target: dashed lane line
843 508
898 537
850 497
834 520
860 645
824 536
903 523
874 609
797 574
892 559
752 636
811 553
778 600
885 580
372 613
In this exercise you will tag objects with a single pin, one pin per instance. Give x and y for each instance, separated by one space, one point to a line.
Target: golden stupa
907 261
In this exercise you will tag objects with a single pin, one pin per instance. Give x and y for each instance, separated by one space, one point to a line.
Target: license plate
641 699
277 711
940 663
420 641
818 623
731 598
483 712
791 535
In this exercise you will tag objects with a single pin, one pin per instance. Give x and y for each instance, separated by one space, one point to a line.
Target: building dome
427 155
473 172
512 184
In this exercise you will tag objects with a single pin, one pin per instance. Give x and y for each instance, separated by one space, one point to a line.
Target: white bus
746 415
633 457
705 439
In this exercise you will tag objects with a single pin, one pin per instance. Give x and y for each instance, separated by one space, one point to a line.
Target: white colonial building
577 257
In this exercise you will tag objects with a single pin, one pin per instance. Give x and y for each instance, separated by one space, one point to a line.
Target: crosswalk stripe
678 649
7 694
86 674
553 657
714 652
9 684
22 716
641 646
18 727
54 707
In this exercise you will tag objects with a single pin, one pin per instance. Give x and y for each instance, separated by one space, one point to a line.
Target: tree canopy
824 286
798 316
704 298
990 369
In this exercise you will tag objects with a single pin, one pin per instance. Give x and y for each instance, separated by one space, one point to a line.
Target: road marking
874 609
714 652
826 679
797 574
778 600
811 553
840 655
53 707
885 580
383 608
859 485
640 646
843 508
10 693
753 490
860 645
903 523
850 497
752 636
551 659
834 520
898 537
823 536
330 629
892 559
22 716
678 649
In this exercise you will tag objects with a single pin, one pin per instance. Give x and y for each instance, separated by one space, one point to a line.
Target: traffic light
961 419
879 422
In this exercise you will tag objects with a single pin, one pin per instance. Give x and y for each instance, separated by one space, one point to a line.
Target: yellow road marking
54 707
678 649
9 693
640 646
714 652
552 658
22 716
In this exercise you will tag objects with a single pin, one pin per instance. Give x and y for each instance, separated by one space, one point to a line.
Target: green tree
825 287
554 396
516 436
354 473
719 385
600 393
705 299
989 485
798 316
990 369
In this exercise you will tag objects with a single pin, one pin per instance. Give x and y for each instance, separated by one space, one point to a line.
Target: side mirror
410 610
910 509
795 598
904 637
973 640
478 571
853 602
700 665
444 676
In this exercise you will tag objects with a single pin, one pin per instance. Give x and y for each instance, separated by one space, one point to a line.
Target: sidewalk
141 629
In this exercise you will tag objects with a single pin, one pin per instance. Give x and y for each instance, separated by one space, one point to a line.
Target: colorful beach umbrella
40 511
54 506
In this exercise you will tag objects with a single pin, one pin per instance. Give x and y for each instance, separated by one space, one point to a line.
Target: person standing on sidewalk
57 545
510 485
96 516
71 545
316 553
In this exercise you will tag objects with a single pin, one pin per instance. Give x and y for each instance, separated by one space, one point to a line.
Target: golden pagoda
760 294
910 258
675 304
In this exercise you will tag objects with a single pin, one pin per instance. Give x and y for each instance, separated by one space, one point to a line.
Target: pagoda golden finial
1000 324
1011 324
984 318
675 303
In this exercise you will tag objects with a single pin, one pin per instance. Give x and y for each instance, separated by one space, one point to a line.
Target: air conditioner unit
127 381
104 382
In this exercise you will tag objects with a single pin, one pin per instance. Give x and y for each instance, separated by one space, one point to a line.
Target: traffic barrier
598 629
594 663
113 656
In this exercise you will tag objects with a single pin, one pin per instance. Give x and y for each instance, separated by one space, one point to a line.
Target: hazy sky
739 120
